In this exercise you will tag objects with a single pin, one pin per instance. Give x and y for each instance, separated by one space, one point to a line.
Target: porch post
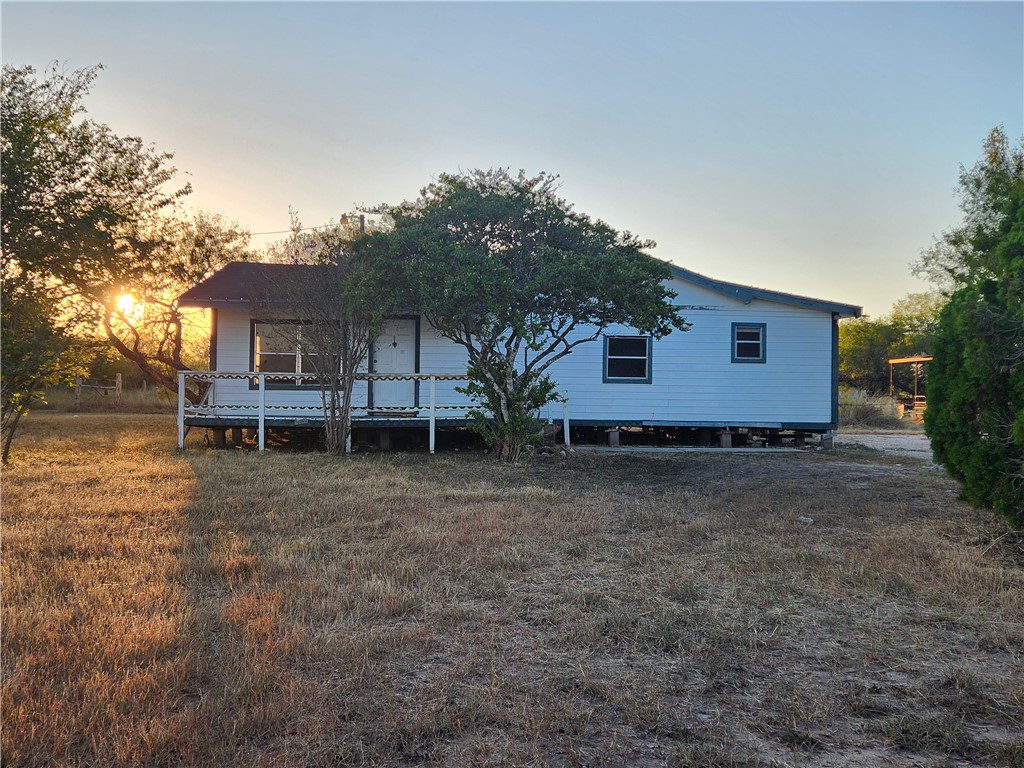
181 410
433 412
565 421
262 377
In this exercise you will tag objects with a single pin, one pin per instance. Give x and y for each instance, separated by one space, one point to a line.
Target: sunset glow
128 306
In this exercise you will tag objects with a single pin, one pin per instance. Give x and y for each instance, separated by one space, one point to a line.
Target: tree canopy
76 202
502 266
975 416
338 321
89 217
867 344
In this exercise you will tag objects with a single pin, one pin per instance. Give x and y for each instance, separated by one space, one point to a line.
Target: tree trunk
9 429
346 416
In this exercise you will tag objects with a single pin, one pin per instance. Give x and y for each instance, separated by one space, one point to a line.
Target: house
755 361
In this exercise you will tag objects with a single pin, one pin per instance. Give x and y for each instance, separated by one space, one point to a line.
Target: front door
394 351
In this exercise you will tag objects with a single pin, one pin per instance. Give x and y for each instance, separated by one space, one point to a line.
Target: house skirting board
227 422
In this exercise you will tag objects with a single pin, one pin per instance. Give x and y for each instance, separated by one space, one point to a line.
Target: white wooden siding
694 380
234 353
439 355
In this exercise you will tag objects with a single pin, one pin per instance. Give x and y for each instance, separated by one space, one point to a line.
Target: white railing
208 405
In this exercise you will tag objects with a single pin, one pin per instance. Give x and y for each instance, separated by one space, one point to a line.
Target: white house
754 360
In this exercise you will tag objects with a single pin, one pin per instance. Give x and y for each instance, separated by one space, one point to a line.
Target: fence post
78 393
181 410
565 421
433 411
263 411
117 389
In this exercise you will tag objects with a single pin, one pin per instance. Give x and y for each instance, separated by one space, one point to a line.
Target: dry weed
226 608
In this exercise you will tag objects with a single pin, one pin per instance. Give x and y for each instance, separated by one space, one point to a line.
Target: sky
812 148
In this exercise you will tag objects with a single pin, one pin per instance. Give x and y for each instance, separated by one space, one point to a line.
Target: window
748 343
277 348
627 359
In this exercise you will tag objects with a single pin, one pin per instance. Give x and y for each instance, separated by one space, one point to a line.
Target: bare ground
222 608
913 444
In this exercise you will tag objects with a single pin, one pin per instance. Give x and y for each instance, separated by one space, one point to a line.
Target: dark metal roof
238 284
747 294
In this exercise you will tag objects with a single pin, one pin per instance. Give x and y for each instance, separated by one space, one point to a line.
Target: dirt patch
915 445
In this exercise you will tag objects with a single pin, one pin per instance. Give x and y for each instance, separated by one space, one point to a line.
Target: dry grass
151 400
859 410
223 608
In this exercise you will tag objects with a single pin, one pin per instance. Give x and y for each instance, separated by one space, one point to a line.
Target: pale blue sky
804 147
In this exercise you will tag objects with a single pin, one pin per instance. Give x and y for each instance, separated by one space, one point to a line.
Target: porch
271 406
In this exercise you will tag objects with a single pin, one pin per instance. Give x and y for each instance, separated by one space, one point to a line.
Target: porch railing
208 405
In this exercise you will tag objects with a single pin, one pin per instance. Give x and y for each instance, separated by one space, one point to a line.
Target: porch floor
296 422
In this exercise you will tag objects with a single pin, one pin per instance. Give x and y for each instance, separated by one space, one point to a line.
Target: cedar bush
975 416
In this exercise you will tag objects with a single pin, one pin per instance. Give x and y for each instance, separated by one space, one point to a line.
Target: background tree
975 415
957 257
867 344
140 317
503 267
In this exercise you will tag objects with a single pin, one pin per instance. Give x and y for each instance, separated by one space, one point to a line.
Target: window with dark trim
627 359
277 348
748 343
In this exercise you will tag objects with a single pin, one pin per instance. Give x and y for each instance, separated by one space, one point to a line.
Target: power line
289 231
344 220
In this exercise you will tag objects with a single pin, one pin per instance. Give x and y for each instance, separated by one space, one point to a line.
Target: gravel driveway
915 444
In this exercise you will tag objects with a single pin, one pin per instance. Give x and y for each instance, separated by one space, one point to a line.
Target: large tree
975 416
79 202
336 319
75 202
138 310
89 217
502 266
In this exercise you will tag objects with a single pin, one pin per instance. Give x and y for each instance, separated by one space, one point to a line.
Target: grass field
221 608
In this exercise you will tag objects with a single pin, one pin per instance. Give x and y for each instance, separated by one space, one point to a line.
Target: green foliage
78 200
339 316
866 345
37 353
520 428
87 218
975 416
959 257
502 266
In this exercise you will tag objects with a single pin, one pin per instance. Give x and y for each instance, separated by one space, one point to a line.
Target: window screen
627 358
748 343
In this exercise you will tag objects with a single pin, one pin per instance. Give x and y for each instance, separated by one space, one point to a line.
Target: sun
128 306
